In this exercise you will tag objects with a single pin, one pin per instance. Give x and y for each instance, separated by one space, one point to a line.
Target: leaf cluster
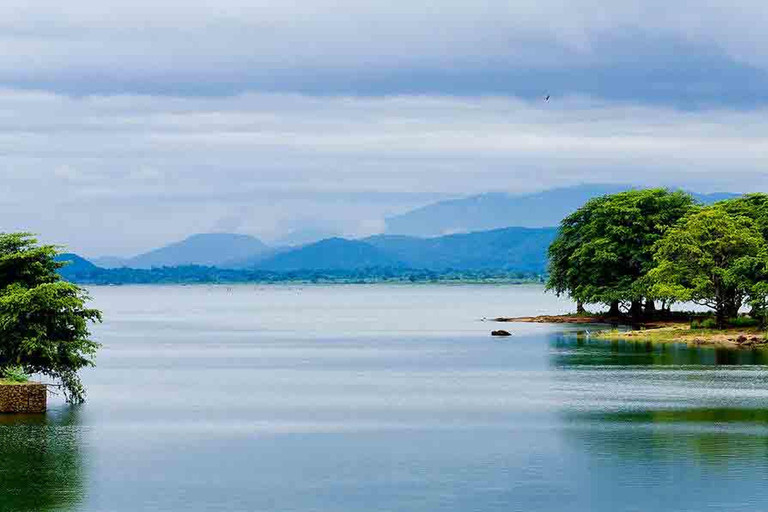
604 250
43 320
718 257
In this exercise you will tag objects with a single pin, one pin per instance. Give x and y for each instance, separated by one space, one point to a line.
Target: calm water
386 398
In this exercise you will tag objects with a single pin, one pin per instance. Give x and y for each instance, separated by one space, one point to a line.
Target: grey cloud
120 174
667 52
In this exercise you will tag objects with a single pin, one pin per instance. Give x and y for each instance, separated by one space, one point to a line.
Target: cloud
649 50
122 173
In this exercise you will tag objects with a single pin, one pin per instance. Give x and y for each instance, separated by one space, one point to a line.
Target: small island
638 254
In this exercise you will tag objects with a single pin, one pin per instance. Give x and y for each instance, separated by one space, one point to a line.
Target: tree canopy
712 258
43 319
648 245
604 249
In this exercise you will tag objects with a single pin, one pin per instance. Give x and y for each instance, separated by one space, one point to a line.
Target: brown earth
665 331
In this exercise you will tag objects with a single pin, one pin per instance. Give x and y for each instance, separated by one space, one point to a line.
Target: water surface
381 398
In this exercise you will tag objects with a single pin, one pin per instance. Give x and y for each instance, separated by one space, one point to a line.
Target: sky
128 125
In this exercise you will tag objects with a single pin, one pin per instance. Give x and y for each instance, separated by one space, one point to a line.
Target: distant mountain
497 210
304 236
509 253
210 249
508 249
511 249
74 265
110 261
330 254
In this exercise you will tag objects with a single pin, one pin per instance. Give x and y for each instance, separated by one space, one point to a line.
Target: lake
386 398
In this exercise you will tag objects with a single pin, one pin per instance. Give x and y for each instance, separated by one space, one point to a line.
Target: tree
713 259
604 250
43 320
752 206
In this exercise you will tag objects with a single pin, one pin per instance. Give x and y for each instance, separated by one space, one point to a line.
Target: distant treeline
193 274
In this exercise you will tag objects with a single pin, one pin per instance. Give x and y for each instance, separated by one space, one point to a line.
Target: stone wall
25 397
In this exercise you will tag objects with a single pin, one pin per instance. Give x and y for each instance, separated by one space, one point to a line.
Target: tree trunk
650 308
720 317
580 308
614 310
636 311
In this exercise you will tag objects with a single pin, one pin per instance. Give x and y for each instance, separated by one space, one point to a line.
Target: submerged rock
501 333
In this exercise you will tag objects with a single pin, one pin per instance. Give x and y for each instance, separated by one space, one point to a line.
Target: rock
741 339
501 333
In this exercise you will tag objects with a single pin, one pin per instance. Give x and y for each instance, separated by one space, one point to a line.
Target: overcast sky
126 125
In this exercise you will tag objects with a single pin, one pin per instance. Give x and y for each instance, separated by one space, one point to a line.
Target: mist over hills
509 252
425 240
508 249
206 249
498 209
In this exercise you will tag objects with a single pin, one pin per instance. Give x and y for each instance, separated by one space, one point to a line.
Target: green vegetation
194 274
14 374
43 319
703 323
605 249
633 249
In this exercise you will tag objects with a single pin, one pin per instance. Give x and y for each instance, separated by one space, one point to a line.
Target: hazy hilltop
494 231
498 210
74 264
304 236
331 254
512 249
207 249
508 249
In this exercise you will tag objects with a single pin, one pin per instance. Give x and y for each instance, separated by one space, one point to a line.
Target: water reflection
650 403
41 461
575 350
714 436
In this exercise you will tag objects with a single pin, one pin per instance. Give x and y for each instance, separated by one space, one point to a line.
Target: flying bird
546 98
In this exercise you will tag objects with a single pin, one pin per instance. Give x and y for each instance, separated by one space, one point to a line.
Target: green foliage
743 321
604 250
752 206
25 263
43 320
710 258
15 374
193 274
703 323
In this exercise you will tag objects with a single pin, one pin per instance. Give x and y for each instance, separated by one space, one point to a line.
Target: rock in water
501 333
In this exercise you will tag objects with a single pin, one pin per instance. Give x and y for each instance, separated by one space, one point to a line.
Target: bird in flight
546 98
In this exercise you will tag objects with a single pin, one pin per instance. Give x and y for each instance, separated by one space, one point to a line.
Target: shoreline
661 331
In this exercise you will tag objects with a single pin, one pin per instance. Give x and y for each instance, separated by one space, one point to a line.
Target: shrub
743 321
703 323
15 374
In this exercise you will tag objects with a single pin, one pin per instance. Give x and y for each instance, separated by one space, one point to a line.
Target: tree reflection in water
571 350
655 402
41 461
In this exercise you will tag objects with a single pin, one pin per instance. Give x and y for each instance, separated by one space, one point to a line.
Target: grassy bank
662 331
678 332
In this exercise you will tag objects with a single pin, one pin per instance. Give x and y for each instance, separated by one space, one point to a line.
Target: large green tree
752 206
43 320
604 250
712 258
